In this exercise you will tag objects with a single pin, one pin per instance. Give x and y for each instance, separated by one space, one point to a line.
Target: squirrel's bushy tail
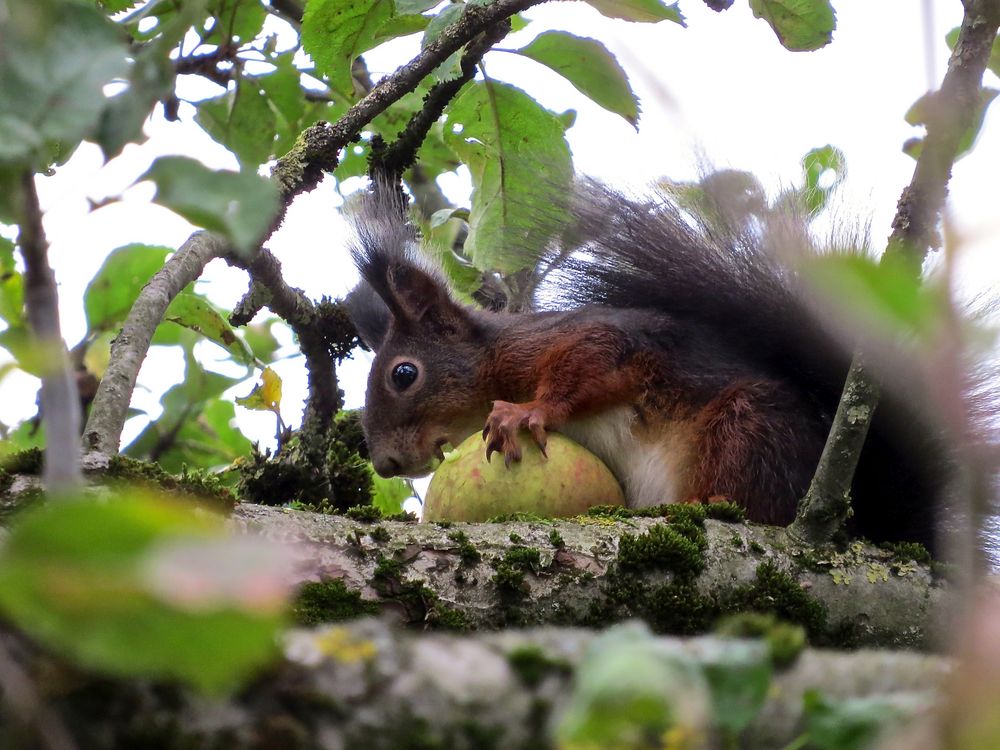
693 264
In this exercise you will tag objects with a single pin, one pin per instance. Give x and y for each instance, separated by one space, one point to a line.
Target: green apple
571 479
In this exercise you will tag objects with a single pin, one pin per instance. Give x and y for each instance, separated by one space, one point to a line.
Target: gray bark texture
367 684
594 570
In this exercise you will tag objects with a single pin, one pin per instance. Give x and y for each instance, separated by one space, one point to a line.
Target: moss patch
419 603
467 551
329 601
532 665
196 483
511 568
28 461
774 591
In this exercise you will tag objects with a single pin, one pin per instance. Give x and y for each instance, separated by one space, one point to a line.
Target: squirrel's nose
386 466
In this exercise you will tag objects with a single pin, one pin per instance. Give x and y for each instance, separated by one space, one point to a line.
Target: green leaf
143 586
23 347
388 494
403 25
628 687
283 88
242 121
521 169
111 293
815 165
994 62
239 206
239 20
644 11
857 723
406 7
198 314
11 286
921 112
334 32
590 67
800 25
55 59
260 338
451 67
739 675
887 295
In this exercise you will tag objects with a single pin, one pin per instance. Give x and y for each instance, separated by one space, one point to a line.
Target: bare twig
913 232
128 350
60 403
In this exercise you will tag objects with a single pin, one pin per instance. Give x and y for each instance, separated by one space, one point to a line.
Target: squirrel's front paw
503 424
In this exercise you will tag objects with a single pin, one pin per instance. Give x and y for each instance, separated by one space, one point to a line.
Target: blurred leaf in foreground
139 585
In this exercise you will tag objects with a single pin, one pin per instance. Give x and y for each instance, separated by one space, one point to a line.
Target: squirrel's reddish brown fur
682 355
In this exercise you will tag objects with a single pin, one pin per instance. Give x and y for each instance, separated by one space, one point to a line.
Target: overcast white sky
722 89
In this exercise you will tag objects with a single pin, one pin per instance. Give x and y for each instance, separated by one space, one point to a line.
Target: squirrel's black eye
404 374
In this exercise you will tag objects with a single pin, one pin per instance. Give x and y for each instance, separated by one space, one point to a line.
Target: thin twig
110 406
60 402
952 111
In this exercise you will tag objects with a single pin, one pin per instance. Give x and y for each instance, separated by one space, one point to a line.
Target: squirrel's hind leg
757 444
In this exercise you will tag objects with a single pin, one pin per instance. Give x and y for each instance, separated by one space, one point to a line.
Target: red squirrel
682 354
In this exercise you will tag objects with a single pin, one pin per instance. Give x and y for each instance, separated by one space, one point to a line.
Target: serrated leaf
334 32
143 586
111 293
644 11
521 169
242 121
451 66
266 395
239 206
239 20
800 25
590 67
198 314
55 59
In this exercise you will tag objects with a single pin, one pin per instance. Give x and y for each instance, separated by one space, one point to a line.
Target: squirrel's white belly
649 471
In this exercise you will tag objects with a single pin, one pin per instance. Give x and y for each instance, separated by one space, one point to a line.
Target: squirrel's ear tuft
413 296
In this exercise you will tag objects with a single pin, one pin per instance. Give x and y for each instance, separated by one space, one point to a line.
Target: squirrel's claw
502 427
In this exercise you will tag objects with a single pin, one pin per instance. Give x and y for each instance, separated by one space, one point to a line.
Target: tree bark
592 571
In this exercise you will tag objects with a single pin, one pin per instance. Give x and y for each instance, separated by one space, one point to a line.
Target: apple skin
467 488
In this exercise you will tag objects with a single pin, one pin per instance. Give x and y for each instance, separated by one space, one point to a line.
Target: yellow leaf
266 395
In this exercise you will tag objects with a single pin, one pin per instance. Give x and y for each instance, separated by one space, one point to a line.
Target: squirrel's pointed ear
369 314
422 300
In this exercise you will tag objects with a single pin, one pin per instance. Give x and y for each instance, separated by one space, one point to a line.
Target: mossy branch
679 573
952 113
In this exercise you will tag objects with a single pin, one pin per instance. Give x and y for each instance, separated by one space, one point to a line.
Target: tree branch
952 112
110 406
60 401
365 684
595 571
318 148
